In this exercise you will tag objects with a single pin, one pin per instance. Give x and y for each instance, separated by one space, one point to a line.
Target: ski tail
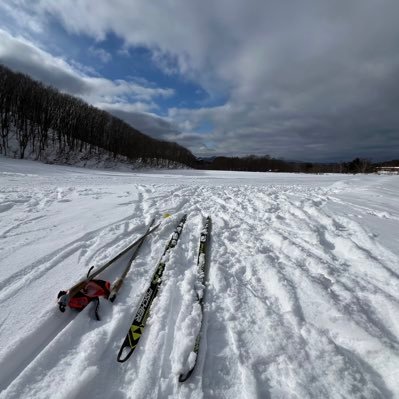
200 290
137 327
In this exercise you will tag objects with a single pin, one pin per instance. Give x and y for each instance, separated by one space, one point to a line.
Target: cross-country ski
200 294
137 328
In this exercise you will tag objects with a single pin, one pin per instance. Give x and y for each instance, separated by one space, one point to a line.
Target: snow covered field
302 298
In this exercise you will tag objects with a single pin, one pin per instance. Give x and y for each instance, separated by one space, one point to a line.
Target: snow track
302 293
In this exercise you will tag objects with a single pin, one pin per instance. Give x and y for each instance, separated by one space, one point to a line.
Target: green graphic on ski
200 290
136 329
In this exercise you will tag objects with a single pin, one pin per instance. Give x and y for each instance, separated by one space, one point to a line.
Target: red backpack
93 290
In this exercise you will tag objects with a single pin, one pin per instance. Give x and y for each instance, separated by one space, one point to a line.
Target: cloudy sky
314 80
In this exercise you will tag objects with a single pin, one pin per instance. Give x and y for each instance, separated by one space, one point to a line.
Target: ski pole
63 299
118 283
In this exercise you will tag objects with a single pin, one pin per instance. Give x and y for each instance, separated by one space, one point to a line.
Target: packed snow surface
302 297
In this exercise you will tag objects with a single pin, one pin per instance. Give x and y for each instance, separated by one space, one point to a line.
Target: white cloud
101 54
24 56
127 108
293 73
15 15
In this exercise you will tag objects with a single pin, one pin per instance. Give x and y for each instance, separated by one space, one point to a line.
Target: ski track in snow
302 297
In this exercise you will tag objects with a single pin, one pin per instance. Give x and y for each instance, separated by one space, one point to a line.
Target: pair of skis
137 327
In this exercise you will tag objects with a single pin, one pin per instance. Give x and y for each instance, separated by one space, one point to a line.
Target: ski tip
186 376
124 353
166 215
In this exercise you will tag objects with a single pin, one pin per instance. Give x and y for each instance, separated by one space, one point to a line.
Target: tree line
253 163
38 116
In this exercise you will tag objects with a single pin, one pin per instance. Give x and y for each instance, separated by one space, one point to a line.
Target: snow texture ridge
302 292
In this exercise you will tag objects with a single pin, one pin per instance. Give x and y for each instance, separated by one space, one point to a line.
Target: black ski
200 289
136 329
63 299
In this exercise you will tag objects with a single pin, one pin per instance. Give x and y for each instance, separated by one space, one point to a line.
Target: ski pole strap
88 273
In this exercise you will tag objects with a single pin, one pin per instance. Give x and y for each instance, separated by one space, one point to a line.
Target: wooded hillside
35 117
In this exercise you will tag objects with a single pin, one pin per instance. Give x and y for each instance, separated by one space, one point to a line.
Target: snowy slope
302 298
